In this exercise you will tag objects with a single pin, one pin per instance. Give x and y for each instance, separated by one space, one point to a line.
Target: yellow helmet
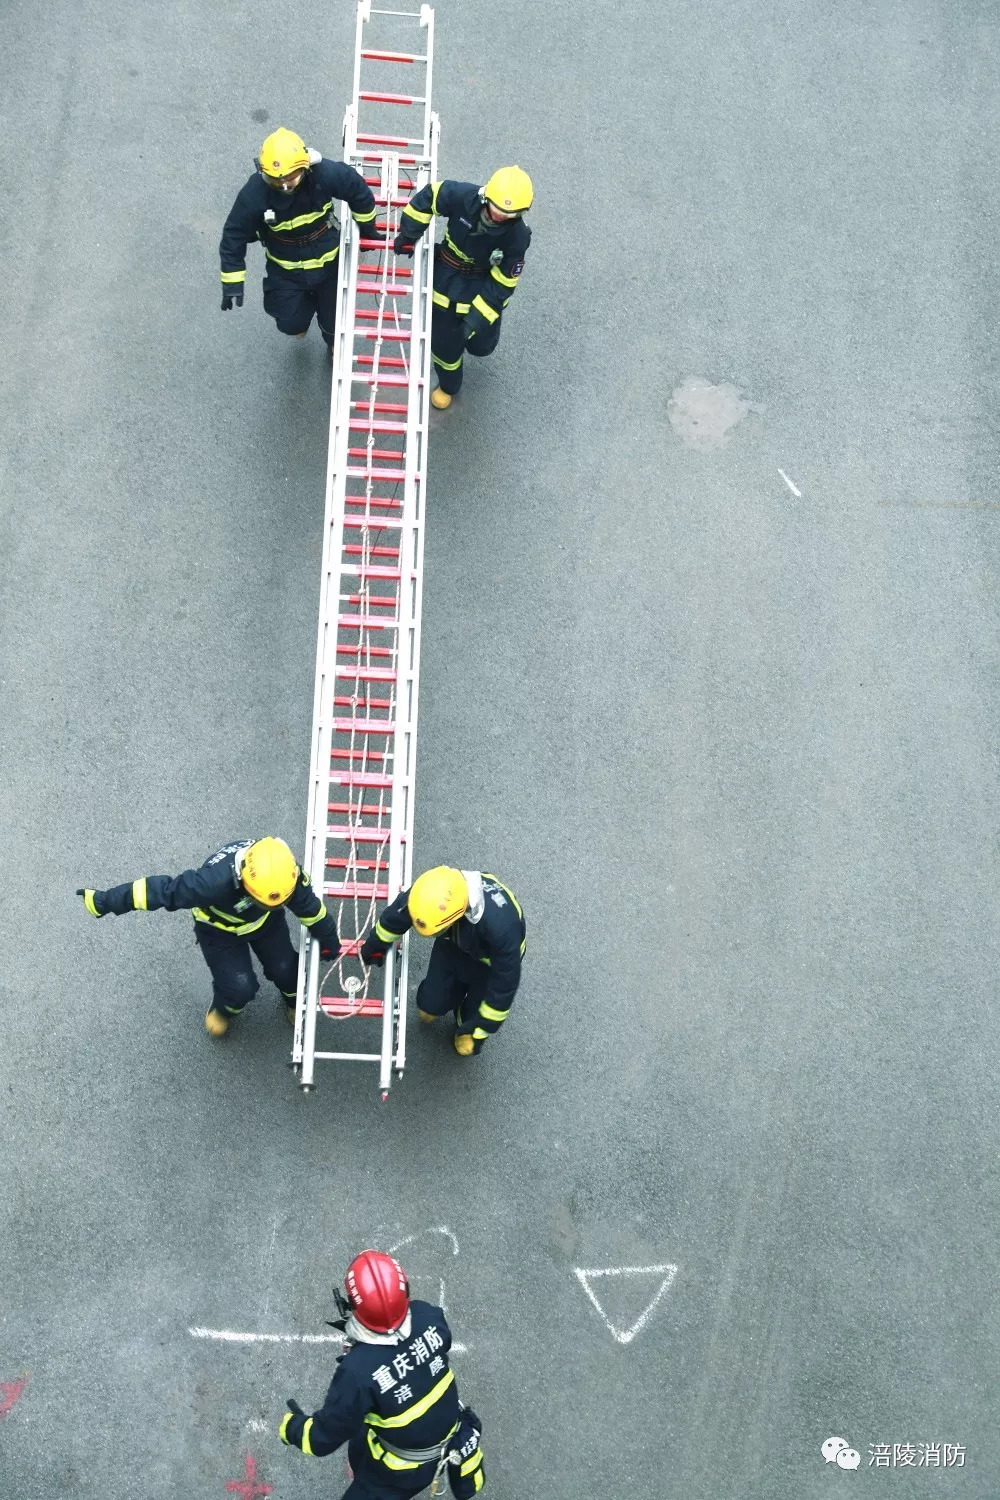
282 153
510 190
269 872
437 898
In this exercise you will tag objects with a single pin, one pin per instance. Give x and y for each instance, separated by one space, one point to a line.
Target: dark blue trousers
373 1481
291 298
234 982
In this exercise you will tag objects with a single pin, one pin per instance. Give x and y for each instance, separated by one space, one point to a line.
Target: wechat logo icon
838 1451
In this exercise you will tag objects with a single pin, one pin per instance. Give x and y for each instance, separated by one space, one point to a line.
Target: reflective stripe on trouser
292 297
234 982
455 982
449 344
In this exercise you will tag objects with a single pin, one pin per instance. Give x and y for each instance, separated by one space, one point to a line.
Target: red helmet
378 1291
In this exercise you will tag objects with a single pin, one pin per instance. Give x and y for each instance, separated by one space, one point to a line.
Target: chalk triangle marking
626 1335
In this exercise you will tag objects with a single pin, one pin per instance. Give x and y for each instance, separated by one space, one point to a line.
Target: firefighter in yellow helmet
476 266
236 898
288 204
479 939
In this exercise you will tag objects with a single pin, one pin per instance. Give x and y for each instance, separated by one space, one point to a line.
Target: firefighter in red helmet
393 1398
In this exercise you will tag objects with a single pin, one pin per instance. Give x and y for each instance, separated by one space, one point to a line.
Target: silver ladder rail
363 748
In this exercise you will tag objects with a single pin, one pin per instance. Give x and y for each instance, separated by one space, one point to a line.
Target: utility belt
211 917
416 1455
279 243
461 265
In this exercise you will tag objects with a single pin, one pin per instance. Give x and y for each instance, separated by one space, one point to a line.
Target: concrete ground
709 676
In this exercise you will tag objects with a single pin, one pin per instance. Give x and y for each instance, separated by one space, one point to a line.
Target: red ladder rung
371 600
366 622
366 674
375 275
394 474
383 379
408 161
380 405
374 500
392 361
363 726
378 289
372 314
374 98
356 425
360 778
362 755
393 56
355 549
357 864
383 651
350 807
402 337
388 140
372 523
379 453
344 1007
368 703
375 571
347 833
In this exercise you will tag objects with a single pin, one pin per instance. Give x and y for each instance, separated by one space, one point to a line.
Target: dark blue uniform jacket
497 939
489 257
403 1392
299 231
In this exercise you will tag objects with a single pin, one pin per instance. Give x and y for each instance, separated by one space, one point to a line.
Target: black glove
328 953
92 900
474 323
232 293
373 951
292 1409
402 246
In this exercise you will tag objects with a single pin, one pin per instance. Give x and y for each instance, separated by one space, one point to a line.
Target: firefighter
475 966
236 898
288 205
393 1398
476 267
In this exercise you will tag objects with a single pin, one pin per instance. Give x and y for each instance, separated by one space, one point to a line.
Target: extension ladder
359 834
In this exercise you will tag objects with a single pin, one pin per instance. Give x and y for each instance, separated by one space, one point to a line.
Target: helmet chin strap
491 226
